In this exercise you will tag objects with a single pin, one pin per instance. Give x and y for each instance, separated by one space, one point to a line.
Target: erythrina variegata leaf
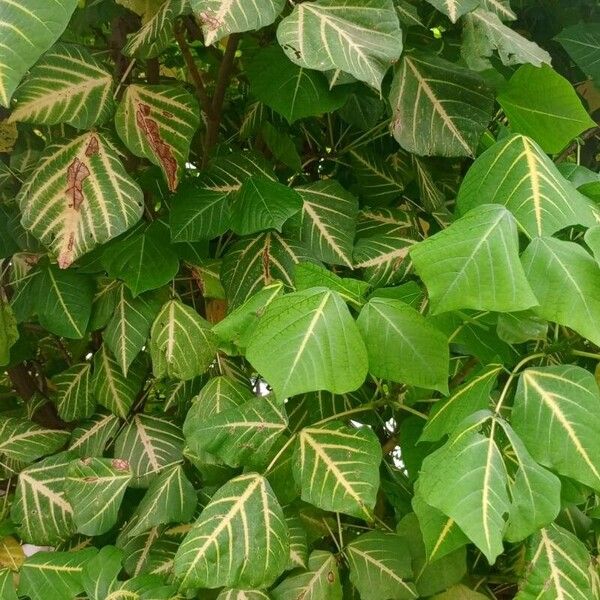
308 341
359 38
454 9
240 540
74 392
26 441
91 437
228 594
29 28
582 43
158 122
78 196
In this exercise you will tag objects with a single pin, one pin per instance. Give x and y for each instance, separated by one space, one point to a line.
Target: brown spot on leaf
167 114
161 149
330 577
120 464
92 147
209 19
76 173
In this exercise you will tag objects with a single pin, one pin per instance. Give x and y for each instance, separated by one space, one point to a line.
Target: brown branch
580 141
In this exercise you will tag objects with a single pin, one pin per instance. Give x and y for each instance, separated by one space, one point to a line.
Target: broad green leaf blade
517 173
143 260
454 9
182 345
327 222
308 341
543 105
292 91
380 565
240 540
99 574
241 435
25 441
484 32
383 258
298 542
535 492
170 498
459 592
79 196
158 122
557 567
68 85
63 301
95 487
440 109
501 8
218 395
29 28
7 585
9 334
466 479
74 392
261 204
403 346
149 444
54 575
113 390
556 413
337 468
156 33
255 262
320 581
91 437
128 329
219 19
474 263
228 594
40 509
582 43
359 38
552 265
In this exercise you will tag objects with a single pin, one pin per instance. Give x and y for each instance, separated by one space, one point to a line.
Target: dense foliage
300 300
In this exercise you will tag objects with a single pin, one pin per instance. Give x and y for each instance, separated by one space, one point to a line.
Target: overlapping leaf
90 437
26 441
582 42
74 392
454 9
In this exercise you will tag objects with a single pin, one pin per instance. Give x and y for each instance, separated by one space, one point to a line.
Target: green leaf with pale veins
439 108
359 38
337 468
182 345
79 196
308 341
95 487
474 263
9 333
454 9
219 394
74 392
517 173
582 44
90 437
240 540
403 346
23 440
229 594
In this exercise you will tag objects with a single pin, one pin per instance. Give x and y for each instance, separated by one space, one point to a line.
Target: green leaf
181 342
383 258
556 414
7 586
74 392
403 346
337 468
219 19
516 328
149 444
321 580
261 204
158 122
228 594
220 394
170 498
380 564
298 542
440 109
474 263
91 437
543 105
292 91
515 172
359 38
308 341
460 592
114 390
327 222
551 265
54 575
100 572
144 260
582 43
68 85
128 329
484 32
95 487
240 540
558 567
9 334
29 28
40 510
63 301
240 435
79 196
454 9
22 440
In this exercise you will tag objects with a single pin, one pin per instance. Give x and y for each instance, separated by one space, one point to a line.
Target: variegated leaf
74 393
25 441
454 9
90 438
219 394
79 196
229 594
383 258
158 122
